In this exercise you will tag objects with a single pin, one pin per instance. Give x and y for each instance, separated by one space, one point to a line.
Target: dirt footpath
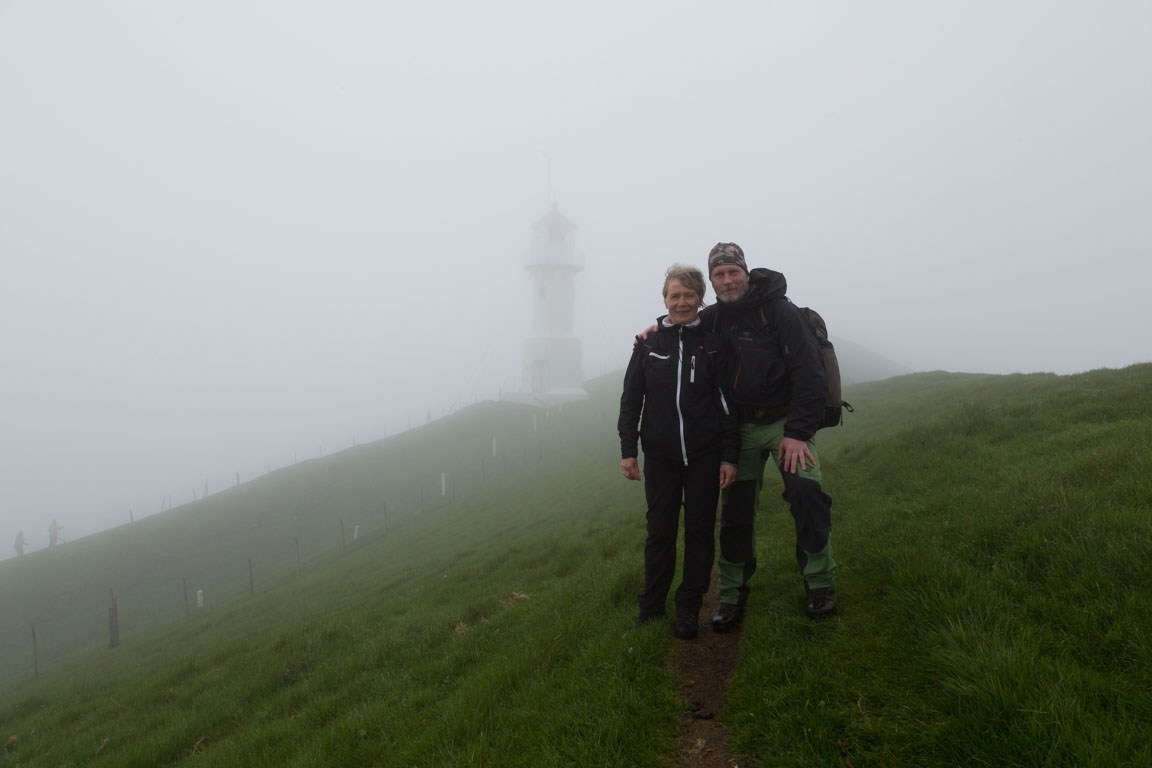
705 665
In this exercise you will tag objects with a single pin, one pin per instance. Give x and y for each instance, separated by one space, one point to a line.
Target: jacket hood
764 285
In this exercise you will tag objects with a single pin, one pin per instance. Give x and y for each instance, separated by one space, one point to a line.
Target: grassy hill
993 540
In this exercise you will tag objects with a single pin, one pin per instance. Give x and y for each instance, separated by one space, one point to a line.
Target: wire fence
74 624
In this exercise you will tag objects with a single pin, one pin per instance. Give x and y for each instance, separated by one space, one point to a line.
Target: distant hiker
777 386
674 404
19 545
54 532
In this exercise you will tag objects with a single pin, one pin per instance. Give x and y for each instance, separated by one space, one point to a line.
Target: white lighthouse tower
552 355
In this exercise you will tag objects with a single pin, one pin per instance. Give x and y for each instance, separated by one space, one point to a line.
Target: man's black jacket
774 359
672 397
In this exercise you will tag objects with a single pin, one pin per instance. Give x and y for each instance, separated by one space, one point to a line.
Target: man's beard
733 297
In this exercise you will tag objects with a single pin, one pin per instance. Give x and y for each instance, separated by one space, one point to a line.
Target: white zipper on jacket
679 380
692 375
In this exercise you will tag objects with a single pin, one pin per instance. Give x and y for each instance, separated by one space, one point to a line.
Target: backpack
834 404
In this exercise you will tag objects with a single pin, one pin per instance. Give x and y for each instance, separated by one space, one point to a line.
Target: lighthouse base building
552 371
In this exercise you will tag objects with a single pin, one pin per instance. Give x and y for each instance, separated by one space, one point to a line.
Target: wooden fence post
113 621
299 562
187 611
35 655
251 581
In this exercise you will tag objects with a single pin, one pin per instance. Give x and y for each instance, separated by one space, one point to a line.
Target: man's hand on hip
793 452
643 335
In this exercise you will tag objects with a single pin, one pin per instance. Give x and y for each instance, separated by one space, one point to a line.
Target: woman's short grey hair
689 277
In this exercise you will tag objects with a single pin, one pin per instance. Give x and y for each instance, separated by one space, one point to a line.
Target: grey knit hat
726 253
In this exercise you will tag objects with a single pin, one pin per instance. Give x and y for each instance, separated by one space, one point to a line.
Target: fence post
113 621
187 612
385 517
299 562
35 655
251 581
343 542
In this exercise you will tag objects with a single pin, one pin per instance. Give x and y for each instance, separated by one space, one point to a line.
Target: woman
673 403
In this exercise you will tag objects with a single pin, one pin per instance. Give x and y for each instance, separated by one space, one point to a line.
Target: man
54 532
778 387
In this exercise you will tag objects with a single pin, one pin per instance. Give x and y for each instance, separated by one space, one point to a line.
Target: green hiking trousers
811 512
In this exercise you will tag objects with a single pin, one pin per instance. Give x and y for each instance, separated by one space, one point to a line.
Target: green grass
994 559
992 534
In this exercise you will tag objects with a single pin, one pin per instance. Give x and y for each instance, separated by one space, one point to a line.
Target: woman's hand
727 475
630 468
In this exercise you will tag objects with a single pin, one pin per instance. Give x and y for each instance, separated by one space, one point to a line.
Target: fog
234 235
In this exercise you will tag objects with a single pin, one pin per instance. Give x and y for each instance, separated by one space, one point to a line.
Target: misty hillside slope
989 530
285 521
859 364
483 612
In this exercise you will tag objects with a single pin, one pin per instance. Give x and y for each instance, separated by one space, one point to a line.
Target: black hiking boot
727 617
821 602
686 627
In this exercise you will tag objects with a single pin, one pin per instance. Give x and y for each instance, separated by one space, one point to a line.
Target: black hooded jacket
672 398
774 359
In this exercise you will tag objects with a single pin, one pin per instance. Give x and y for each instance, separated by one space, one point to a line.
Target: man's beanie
726 253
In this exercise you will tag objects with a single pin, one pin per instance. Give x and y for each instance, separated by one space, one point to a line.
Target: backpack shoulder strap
765 322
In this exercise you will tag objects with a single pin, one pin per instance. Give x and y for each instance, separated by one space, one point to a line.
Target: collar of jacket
666 323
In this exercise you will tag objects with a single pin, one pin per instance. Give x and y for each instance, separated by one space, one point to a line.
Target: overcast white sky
235 232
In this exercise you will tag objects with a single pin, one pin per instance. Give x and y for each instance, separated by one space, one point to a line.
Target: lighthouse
552 355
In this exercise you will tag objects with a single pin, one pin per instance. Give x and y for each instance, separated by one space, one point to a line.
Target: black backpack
834 404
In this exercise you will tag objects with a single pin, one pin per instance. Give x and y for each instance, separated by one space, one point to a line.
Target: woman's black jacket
673 398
